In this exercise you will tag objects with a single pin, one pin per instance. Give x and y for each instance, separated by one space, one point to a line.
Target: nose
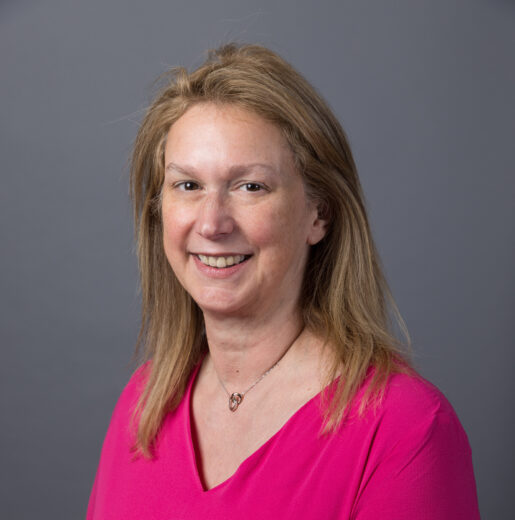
214 219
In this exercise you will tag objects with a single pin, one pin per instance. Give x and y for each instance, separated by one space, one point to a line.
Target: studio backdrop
426 93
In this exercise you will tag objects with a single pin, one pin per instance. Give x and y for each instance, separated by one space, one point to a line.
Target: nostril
214 220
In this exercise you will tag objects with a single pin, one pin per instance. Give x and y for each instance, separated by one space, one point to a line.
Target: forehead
228 131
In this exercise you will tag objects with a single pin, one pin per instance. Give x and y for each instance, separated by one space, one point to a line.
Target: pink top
409 460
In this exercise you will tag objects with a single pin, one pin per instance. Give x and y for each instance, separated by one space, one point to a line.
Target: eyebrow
235 169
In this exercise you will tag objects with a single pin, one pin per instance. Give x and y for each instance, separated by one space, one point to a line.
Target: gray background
426 93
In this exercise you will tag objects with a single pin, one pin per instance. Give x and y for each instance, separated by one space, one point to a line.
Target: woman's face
237 224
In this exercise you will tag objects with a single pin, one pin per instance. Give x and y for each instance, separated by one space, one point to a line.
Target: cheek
175 224
277 231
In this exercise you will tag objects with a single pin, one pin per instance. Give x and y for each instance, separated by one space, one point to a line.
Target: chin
220 302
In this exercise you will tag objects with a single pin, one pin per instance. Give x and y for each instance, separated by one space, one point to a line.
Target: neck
242 349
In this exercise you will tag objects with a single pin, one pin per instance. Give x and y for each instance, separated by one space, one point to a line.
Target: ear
319 224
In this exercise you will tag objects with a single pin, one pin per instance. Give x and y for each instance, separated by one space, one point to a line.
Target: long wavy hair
344 299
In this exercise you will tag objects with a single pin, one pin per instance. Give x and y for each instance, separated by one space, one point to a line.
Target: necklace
236 398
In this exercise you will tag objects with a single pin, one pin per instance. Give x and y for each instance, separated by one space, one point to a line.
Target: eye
187 186
251 186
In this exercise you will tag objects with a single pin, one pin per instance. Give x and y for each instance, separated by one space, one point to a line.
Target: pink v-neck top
408 460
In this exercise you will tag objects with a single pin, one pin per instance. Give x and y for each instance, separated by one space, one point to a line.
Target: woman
274 388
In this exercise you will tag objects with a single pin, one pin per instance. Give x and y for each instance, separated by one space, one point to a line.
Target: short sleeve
427 475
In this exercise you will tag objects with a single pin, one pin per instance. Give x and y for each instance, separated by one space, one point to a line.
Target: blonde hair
345 299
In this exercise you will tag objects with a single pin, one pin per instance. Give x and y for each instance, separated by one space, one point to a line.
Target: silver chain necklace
236 398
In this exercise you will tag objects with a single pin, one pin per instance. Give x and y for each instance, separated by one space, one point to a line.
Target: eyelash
254 185
251 187
182 185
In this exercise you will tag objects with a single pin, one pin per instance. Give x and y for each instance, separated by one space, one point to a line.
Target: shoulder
136 384
413 410
137 381
416 460
129 397
409 394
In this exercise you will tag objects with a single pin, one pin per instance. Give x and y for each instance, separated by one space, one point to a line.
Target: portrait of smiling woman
273 385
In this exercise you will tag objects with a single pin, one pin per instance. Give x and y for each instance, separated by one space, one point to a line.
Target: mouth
222 262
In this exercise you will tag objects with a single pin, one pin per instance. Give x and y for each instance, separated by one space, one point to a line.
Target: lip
214 272
230 253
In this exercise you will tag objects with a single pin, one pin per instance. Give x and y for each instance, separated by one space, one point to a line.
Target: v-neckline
244 462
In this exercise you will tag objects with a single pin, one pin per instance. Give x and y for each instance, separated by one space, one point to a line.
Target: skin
231 188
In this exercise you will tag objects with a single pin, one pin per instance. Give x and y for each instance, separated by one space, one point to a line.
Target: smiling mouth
221 262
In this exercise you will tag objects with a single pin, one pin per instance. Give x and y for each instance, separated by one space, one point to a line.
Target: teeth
221 261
